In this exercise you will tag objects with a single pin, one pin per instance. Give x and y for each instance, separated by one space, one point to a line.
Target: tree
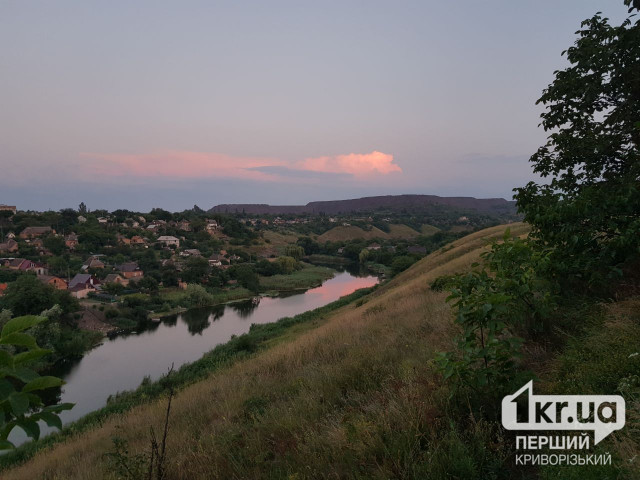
196 269
295 251
82 209
588 213
20 402
198 296
28 295
246 276
401 263
113 288
55 244
287 265
309 245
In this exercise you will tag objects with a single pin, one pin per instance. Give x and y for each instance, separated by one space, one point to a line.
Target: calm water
122 362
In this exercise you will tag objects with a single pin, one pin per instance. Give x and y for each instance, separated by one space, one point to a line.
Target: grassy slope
427 229
355 394
342 233
308 276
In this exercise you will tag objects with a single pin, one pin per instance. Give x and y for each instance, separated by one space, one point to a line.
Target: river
122 362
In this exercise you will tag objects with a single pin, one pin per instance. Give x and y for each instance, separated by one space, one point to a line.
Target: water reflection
122 362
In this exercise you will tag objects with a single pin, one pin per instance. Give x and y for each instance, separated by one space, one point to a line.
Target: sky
168 104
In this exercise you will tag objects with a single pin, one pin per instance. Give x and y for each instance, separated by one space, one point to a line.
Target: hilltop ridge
390 203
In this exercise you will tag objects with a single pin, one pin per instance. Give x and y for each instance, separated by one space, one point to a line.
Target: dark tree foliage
589 211
29 296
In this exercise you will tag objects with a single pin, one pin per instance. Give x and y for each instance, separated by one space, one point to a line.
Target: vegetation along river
122 362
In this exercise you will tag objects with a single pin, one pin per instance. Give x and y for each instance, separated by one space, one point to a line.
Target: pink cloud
180 164
188 164
358 164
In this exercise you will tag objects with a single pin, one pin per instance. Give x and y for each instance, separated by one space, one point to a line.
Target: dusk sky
169 104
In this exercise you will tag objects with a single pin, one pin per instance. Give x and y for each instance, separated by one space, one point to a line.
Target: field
428 229
343 233
309 276
355 395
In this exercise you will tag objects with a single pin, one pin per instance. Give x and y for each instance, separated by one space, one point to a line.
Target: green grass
260 337
309 276
603 360
328 259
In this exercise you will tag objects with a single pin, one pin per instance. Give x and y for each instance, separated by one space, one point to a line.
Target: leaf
23 374
41 383
58 408
30 427
19 339
29 356
6 445
19 403
6 389
51 419
19 324
5 358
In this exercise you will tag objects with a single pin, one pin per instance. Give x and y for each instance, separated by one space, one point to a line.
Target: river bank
129 360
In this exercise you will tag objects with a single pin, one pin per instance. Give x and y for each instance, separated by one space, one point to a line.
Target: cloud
179 164
190 165
356 164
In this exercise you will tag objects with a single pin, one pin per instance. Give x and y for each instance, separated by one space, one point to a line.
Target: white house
168 240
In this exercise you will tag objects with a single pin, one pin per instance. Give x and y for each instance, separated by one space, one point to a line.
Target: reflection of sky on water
122 362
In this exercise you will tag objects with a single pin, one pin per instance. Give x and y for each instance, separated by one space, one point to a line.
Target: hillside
390 203
344 233
304 401
355 391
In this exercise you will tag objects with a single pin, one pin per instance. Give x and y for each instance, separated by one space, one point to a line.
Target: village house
216 259
92 262
13 263
27 266
211 227
130 270
137 240
9 246
123 240
168 240
56 282
11 236
156 224
38 244
374 246
71 241
191 252
184 225
116 278
82 285
8 208
81 219
33 232
103 220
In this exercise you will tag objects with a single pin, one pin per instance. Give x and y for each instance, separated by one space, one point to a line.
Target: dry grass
402 231
342 233
277 239
428 230
355 394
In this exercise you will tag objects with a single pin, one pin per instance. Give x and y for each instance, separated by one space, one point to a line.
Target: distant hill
390 203
344 233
